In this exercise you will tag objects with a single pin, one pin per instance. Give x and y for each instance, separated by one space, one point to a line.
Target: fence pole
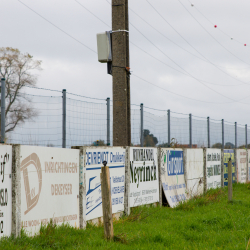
208 132
230 181
190 130
246 135
235 135
106 202
64 119
108 121
169 138
222 129
2 110
142 134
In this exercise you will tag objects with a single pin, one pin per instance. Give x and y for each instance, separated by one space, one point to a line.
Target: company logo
31 198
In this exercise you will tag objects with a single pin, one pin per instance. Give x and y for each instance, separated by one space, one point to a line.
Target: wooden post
230 181
106 203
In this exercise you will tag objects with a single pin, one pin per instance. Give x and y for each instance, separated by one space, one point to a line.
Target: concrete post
222 141
169 127
64 119
142 132
108 121
190 130
208 132
2 110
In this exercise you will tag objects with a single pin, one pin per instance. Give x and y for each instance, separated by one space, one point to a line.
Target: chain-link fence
86 124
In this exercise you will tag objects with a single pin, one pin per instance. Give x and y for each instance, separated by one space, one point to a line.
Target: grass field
207 222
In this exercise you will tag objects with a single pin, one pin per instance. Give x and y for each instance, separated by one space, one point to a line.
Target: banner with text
172 176
241 165
5 190
213 168
115 157
229 153
49 187
144 181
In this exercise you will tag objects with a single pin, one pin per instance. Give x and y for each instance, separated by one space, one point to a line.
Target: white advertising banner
248 164
172 176
49 187
144 181
213 168
5 190
194 171
241 165
115 157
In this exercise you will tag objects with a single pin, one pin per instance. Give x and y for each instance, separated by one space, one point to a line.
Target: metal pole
235 135
108 121
208 132
169 138
2 110
190 130
142 134
222 142
64 119
246 135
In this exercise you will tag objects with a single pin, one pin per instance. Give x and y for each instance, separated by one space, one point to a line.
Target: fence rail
90 121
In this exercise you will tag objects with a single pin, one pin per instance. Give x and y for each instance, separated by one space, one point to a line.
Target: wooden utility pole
121 74
106 202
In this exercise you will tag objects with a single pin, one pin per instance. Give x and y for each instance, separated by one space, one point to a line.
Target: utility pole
121 74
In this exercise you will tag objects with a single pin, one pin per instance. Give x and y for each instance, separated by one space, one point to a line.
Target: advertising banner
194 172
213 168
229 153
5 190
49 187
172 176
248 153
241 165
115 157
144 181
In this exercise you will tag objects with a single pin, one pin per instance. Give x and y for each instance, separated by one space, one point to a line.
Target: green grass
206 222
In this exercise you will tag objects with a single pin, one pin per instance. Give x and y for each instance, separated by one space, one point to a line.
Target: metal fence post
2 110
108 121
235 135
169 138
208 132
142 134
190 130
222 129
246 135
64 118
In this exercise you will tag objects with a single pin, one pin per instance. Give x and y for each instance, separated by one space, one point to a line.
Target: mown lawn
207 222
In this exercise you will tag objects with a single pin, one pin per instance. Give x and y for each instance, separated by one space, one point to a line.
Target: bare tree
18 70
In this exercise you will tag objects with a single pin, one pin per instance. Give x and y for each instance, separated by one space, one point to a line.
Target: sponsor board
213 168
144 181
229 153
49 187
172 176
115 157
248 164
194 172
241 163
5 190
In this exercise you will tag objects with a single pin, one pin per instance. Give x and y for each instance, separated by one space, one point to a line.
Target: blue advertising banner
229 153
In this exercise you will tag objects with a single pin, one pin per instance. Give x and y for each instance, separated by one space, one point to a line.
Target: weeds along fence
89 121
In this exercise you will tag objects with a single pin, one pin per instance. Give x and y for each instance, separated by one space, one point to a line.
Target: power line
57 27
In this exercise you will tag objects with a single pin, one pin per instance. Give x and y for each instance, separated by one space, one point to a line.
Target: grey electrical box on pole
142 133
64 119
2 110
108 121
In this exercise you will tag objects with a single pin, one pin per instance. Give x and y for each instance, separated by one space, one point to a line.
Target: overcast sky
195 67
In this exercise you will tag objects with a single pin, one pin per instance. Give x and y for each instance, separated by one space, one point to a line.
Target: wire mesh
179 129
215 134
135 126
229 135
241 136
199 132
45 129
